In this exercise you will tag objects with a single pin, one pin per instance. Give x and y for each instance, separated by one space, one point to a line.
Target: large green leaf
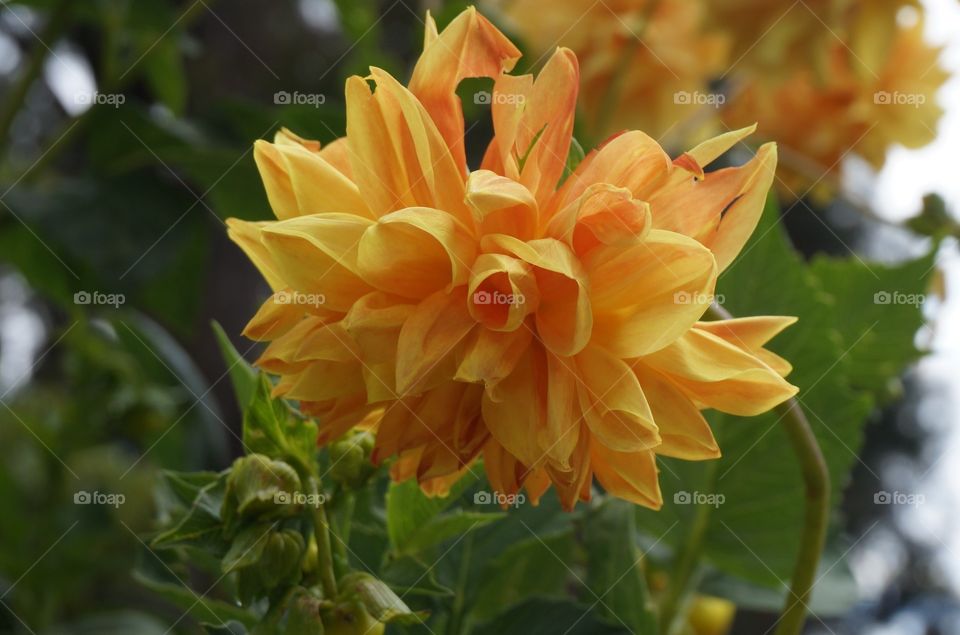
409 510
270 427
753 496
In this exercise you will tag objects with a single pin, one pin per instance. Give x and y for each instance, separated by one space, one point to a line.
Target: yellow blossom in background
645 64
852 109
549 327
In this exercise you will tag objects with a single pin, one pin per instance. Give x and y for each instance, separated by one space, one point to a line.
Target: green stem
683 578
454 626
321 528
49 37
816 480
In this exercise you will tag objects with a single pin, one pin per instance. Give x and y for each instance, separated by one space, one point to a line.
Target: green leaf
270 427
524 570
119 623
543 617
412 577
166 75
574 157
756 513
200 526
409 510
444 526
615 568
242 374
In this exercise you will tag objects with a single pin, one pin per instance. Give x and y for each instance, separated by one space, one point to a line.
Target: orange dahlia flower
547 326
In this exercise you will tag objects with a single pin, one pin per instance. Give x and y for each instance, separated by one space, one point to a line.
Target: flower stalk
816 480
321 528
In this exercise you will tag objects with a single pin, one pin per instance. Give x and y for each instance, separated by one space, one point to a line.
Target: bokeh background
126 130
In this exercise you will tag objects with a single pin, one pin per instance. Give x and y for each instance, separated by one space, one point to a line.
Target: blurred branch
49 36
816 479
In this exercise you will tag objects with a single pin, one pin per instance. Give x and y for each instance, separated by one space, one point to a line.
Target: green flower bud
350 463
257 486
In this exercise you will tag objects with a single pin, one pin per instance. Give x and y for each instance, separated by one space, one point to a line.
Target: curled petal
751 333
470 46
647 295
489 356
720 375
501 205
564 319
502 292
614 405
247 236
604 214
274 318
415 252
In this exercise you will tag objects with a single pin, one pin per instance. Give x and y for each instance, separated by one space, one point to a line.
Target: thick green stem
455 625
816 480
47 39
321 529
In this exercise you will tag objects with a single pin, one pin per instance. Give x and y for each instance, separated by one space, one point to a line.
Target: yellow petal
515 410
647 295
501 205
683 430
502 292
374 323
273 319
564 319
247 236
299 181
723 209
604 214
429 339
470 46
631 476
415 252
721 375
317 255
614 405
489 356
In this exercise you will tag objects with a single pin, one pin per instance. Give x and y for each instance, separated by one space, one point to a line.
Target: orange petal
502 291
317 256
564 319
489 356
300 181
247 236
429 339
470 46
647 295
614 405
515 409
415 252
374 322
632 476
604 214
721 375
683 430
501 205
